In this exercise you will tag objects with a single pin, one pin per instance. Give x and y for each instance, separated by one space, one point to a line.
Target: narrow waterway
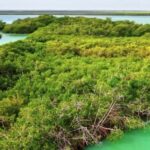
6 38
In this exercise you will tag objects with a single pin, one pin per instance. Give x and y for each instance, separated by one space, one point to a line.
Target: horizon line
67 10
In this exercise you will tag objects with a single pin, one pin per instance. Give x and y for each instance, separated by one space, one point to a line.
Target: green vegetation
76 26
2 24
115 135
28 25
67 85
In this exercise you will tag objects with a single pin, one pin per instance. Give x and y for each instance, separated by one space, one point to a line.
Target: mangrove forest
72 82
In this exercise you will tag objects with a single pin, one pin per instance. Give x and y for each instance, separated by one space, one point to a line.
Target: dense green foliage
57 86
28 25
77 26
2 24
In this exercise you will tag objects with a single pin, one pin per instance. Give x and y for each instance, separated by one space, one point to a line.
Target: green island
73 82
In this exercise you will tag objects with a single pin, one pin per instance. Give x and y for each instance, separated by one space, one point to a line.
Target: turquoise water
134 140
6 38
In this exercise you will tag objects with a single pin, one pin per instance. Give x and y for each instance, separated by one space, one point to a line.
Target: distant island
74 12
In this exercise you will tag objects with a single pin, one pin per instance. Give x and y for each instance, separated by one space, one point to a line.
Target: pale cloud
75 4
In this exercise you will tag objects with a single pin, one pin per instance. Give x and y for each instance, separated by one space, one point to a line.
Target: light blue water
6 38
11 18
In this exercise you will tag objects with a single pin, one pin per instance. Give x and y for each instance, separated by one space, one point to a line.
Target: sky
74 4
